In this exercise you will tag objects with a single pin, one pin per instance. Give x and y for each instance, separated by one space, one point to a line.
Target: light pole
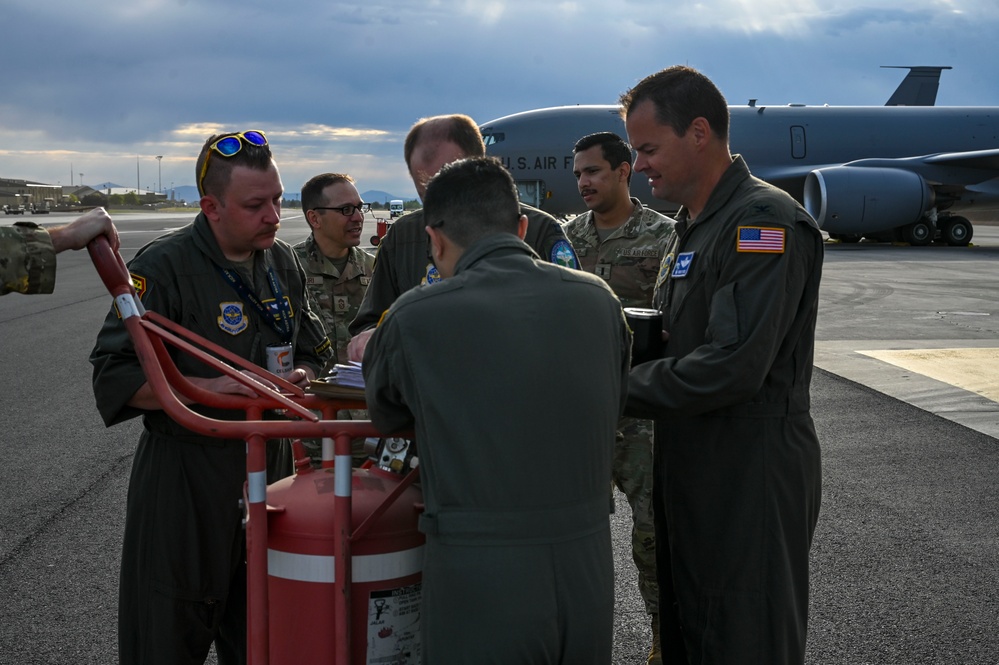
159 166
81 180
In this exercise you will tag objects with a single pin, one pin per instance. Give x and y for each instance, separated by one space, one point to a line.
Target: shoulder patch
433 275
759 239
563 255
139 284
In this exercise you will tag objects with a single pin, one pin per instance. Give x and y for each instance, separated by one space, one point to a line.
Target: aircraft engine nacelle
855 200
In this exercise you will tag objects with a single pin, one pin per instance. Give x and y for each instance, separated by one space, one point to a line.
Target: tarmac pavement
904 561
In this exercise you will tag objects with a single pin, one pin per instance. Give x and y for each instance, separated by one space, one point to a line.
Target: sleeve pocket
723 324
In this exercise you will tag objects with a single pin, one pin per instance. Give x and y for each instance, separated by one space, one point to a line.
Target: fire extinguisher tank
386 569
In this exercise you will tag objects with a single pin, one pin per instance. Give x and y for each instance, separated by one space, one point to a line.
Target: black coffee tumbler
647 330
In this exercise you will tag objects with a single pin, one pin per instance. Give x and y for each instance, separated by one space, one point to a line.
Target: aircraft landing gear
918 233
957 231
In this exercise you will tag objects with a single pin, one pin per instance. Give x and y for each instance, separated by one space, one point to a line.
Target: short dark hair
681 94
216 179
456 128
470 199
614 149
312 191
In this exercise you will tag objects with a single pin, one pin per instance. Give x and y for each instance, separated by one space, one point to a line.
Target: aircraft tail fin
918 88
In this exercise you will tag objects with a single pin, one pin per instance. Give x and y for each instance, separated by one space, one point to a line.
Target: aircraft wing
945 168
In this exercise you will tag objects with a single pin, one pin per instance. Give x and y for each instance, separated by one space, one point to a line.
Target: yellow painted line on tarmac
974 370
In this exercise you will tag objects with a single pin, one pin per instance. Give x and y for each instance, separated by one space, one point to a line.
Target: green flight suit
403 260
183 572
27 259
737 481
628 260
513 372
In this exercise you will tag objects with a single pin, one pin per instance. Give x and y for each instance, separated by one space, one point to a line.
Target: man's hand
357 344
77 234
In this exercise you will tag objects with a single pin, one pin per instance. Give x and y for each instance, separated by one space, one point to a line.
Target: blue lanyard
278 316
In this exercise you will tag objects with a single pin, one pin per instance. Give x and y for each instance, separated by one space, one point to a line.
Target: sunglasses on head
227 146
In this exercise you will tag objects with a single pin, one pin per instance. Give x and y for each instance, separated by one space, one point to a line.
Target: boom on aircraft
903 171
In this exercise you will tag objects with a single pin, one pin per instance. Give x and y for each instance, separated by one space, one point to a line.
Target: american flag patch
758 239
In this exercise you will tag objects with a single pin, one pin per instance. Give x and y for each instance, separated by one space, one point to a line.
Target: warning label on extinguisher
394 626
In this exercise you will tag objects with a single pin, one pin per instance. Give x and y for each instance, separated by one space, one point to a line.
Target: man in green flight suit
737 479
507 359
402 261
229 279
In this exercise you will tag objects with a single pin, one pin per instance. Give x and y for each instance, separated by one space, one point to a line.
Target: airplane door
797 142
530 191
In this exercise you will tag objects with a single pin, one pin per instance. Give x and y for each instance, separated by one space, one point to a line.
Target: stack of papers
348 376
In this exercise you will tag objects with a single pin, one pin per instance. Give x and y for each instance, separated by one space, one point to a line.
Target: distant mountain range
189 193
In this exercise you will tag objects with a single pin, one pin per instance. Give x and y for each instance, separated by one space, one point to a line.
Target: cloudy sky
99 87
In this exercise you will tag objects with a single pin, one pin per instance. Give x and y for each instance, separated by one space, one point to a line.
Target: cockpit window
492 138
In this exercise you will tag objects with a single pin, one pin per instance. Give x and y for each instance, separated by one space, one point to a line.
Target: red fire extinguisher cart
334 557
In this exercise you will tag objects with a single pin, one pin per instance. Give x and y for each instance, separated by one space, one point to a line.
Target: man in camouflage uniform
27 251
338 269
622 241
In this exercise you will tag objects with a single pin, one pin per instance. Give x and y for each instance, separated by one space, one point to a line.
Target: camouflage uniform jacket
336 296
27 259
628 259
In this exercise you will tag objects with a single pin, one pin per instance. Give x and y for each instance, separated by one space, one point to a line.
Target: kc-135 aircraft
896 172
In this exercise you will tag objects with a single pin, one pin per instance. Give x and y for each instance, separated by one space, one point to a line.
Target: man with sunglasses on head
225 277
338 269
403 260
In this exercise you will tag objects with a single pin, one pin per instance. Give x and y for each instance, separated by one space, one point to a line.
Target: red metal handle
110 266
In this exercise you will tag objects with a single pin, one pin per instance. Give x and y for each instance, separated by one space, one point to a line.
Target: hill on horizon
189 193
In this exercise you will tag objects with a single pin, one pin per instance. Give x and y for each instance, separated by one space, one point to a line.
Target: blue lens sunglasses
227 146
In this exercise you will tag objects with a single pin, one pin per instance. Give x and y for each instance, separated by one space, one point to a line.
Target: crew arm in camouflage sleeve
27 259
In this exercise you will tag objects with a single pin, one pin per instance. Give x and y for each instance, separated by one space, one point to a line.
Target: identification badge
683 262
314 280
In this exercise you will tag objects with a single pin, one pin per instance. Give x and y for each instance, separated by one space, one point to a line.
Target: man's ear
210 206
522 227
437 243
312 219
701 129
623 171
